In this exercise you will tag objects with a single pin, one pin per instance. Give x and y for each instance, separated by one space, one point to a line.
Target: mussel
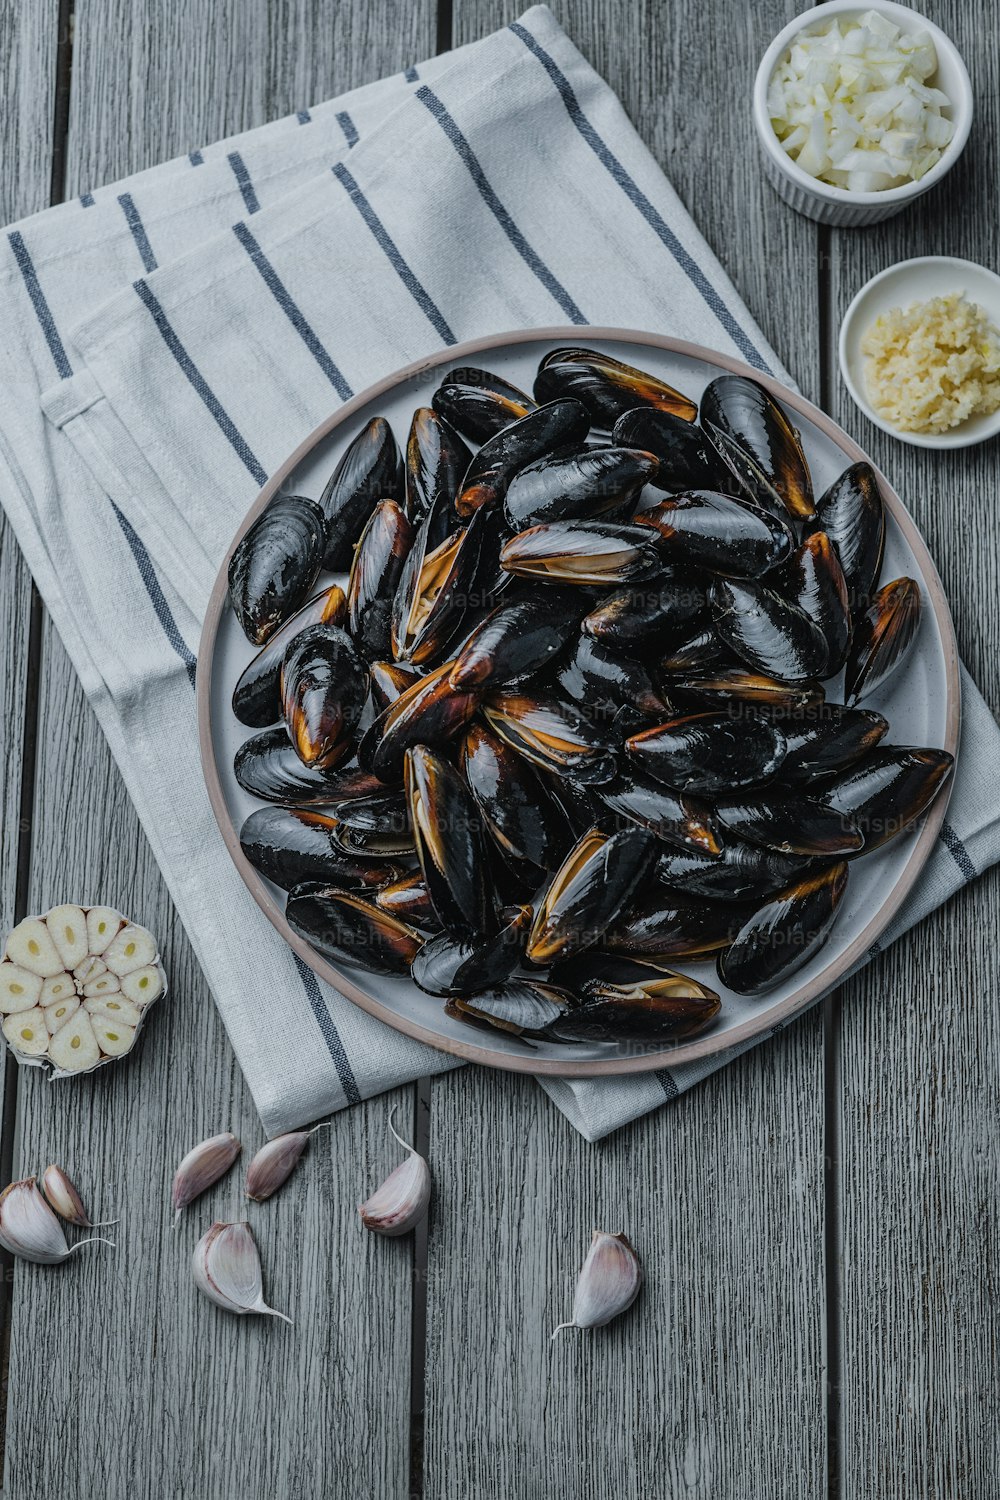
516 807
371 588
740 872
553 734
370 469
764 630
448 965
710 752
439 585
696 653
389 680
275 564
521 1007
324 686
712 531
647 615
290 845
826 738
784 934
606 682
688 461
815 582
517 638
668 1009
408 898
267 766
883 637
581 552
852 514
377 826
592 885
742 411
342 925
436 462
428 713
578 487
726 686
888 791
451 845
478 403
548 431
257 694
792 825
658 930
606 387
674 817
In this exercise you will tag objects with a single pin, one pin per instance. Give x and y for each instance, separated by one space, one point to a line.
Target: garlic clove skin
402 1200
201 1167
608 1283
225 1266
62 1195
29 1228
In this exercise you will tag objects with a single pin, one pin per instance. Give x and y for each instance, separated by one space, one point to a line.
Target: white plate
900 286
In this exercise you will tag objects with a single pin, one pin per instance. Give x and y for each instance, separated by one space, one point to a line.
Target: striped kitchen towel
171 338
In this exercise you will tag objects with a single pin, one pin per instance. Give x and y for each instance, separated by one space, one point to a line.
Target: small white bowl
833 205
899 286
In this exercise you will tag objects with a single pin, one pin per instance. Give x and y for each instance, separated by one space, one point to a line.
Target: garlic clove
68 929
90 969
64 1198
401 1201
275 1163
74 1046
105 984
30 945
27 1032
30 1229
225 1266
113 1038
19 988
203 1165
608 1283
132 948
113 1008
57 1015
102 924
144 985
61 987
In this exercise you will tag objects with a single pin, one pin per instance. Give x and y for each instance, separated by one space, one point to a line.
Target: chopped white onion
851 104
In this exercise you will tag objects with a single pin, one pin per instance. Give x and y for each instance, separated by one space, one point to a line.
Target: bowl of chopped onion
859 110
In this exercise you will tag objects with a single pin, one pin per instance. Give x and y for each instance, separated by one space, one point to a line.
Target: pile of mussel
565 725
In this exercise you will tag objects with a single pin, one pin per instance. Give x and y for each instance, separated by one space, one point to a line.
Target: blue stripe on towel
419 294
196 159
157 598
42 310
411 75
303 117
958 851
242 176
86 200
198 381
530 257
349 128
635 194
667 1082
294 314
139 234
331 1035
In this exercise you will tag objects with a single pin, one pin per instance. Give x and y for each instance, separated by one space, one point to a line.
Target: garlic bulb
203 1165
226 1267
608 1283
402 1200
29 1228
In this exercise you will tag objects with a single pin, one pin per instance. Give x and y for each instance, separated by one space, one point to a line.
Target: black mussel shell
696 653
888 791
814 580
548 431
605 681
583 485
451 844
447 965
517 809
668 1009
408 898
582 552
553 734
428 713
740 872
588 892
784 934
440 585
324 686
384 811
579 804
710 752
606 387
764 630
389 680
707 530
724 686
522 1007
257 694
370 469
883 637
657 930
746 413
852 514
515 640
676 818
378 562
267 766
275 564
479 403
649 614
436 463
792 825
351 784
289 846
688 460
826 738
341 925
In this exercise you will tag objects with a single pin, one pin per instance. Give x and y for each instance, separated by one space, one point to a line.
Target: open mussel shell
814 580
324 686
883 637
688 460
290 845
451 844
428 713
553 734
792 825
708 530
826 738
342 925
370 469
408 898
517 638
647 615
516 807
747 414
852 514
784 934
275 564
674 817
267 766
728 686
669 1008
604 681
740 872
479 403
709 752
764 630
592 886
375 572
440 584
582 552
660 928
448 965
257 694
521 1007
606 387
389 680
436 463
583 485
889 790
556 428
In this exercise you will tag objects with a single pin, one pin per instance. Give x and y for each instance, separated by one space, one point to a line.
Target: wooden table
817 1222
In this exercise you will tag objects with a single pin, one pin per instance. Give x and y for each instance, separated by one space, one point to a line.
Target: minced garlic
932 365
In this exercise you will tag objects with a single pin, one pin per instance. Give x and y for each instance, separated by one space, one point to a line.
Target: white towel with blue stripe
170 338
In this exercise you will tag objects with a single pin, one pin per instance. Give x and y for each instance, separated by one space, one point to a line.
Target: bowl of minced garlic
920 352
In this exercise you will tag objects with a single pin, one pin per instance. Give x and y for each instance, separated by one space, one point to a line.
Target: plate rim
712 1044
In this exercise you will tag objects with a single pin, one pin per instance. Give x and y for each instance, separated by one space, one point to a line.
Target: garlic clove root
276 1161
64 1198
402 1200
225 1266
68 929
608 1283
30 945
29 1228
203 1165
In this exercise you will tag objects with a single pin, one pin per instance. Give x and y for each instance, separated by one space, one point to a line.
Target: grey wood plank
123 1379
920 1034
715 1384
